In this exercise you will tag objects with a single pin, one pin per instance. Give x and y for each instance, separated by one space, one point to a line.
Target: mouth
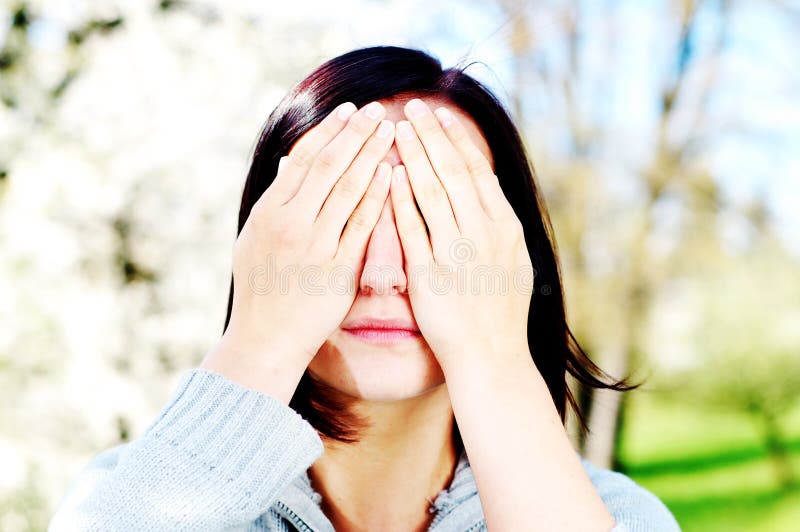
382 331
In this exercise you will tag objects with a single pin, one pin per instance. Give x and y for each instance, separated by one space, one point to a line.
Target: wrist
273 369
487 358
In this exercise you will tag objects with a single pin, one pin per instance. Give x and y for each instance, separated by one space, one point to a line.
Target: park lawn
709 467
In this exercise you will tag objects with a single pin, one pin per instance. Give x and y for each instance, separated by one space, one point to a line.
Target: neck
403 459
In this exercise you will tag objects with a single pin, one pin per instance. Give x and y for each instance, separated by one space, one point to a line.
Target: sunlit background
666 136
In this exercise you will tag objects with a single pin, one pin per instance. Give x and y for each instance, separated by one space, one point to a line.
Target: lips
381 323
382 330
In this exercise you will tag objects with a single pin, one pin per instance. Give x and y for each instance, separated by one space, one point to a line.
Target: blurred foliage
664 137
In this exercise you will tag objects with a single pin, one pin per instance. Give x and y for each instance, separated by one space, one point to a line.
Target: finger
410 225
428 190
490 193
353 244
448 164
334 159
351 186
292 168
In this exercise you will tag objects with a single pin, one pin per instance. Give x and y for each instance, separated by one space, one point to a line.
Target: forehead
394 113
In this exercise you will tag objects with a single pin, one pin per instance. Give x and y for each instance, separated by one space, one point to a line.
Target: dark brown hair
384 72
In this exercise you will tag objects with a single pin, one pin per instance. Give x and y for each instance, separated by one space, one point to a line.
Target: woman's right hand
297 261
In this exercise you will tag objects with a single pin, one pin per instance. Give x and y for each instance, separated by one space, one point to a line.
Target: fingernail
404 130
373 110
399 174
416 107
385 129
445 116
345 110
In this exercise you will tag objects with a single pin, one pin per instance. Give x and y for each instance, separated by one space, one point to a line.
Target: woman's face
385 366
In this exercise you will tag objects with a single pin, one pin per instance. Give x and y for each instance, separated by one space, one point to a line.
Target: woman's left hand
470 280
525 467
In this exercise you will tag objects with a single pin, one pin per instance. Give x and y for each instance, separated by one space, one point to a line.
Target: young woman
395 350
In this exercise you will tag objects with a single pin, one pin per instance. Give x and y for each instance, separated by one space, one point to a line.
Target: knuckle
358 221
348 188
479 165
330 129
285 239
325 247
326 159
453 168
456 189
301 156
284 231
360 125
512 229
408 225
432 191
285 235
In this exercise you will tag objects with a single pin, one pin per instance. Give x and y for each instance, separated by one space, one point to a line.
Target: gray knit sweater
223 457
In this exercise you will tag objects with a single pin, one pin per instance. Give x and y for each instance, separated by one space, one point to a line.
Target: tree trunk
777 450
600 445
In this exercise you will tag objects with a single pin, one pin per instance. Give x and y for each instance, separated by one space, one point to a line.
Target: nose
393 156
383 272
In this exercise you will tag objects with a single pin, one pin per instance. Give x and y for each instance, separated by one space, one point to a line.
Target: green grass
751 512
709 467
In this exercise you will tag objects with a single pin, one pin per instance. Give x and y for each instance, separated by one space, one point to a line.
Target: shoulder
632 506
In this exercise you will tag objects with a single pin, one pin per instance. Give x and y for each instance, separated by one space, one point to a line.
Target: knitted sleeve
215 457
634 508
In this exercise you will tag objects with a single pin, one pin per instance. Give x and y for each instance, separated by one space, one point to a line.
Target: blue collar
456 508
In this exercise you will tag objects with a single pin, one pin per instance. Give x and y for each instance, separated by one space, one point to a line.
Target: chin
377 372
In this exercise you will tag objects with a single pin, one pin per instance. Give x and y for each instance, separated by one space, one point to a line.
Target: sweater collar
455 508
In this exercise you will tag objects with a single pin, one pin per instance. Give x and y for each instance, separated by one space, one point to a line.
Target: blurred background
665 134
